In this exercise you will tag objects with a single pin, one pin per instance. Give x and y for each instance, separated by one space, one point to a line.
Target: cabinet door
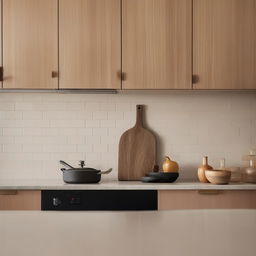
90 44
157 44
224 44
30 43
20 200
1 67
173 200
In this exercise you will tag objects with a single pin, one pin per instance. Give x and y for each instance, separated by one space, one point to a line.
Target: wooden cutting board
137 151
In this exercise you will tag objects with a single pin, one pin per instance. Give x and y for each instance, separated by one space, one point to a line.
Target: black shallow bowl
164 176
150 179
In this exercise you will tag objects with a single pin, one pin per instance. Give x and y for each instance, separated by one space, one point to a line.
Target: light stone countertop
24 184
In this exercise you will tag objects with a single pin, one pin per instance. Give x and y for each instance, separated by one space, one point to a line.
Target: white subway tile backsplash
55 148
10 115
32 148
32 131
51 131
53 106
6 139
85 148
117 132
9 123
124 106
19 106
32 115
124 123
107 123
92 159
112 115
75 131
92 123
41 140
110 140
61 115
6 106
94 139
24 156
75 106
37 130
100 131
67 123
76 139
10 148
107 106
92 106
100 115
12 131
33 123
100 148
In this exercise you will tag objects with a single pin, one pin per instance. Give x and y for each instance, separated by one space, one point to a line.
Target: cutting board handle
139 117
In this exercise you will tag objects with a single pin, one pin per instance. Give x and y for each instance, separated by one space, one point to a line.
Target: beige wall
37 130
181 233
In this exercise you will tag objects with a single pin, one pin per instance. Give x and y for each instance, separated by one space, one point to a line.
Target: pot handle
105 172
66 164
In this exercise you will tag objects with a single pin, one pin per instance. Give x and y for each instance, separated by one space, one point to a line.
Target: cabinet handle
8 192
195 79
1 74
55 74
122 75
208 192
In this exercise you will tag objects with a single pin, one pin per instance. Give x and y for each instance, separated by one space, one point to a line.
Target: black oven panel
99 200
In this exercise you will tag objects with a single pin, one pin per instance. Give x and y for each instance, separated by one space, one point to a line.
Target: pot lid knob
81 163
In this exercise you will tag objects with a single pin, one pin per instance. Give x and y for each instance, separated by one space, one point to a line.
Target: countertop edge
117 185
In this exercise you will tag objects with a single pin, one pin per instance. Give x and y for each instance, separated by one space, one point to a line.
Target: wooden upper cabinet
30 43
90 44
225 44
157 44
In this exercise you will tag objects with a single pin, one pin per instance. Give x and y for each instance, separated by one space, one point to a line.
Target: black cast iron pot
81 175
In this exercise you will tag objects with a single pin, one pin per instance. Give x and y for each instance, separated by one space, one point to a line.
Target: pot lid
81 168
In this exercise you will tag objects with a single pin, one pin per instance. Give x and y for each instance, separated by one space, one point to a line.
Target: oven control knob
56 201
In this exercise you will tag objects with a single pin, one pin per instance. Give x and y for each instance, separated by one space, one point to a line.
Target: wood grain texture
224 44
23 200
137 151
30 43
1 49
157 44
90 44
171 200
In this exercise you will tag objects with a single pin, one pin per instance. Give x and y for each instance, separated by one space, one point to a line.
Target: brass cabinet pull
208 192
8 192
195 79
122 75
1 74
55 74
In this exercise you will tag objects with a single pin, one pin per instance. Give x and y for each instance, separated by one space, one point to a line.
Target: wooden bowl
218 177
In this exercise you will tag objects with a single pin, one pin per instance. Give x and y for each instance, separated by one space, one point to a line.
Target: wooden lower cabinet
11 200
192 199
20 200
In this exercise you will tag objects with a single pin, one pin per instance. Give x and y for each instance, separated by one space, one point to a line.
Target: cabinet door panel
157 44
20 200
1 49
30 41
224 44
172 200
90 44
